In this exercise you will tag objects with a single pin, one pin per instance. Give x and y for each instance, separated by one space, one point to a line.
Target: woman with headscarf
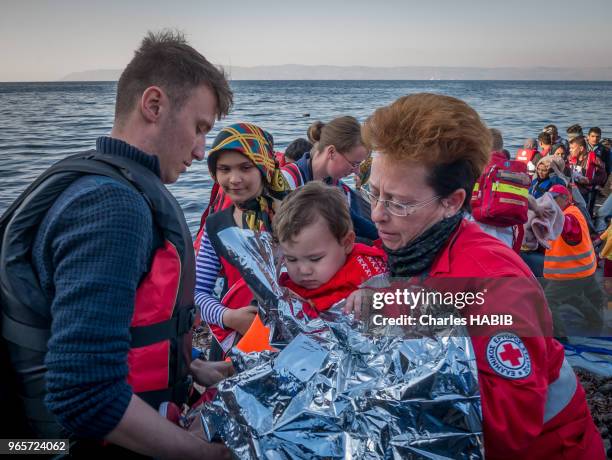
544 180
430 151
242 162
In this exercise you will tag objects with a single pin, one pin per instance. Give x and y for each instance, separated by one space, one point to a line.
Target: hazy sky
48 39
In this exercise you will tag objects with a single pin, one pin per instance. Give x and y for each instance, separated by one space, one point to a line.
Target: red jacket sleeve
572 233
590 166
513 369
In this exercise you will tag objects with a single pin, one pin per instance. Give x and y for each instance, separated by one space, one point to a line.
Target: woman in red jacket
431 149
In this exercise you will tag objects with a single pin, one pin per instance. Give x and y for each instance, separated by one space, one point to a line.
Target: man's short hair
550 129
498 140
574 131
578 140
305 205
545 138
165 59
596 130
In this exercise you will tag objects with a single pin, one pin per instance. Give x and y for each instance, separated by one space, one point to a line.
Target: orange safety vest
564 261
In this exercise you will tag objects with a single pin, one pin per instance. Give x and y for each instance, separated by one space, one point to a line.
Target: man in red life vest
98 273
526 154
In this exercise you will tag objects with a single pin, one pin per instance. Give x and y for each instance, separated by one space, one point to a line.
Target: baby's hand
240 319
358 302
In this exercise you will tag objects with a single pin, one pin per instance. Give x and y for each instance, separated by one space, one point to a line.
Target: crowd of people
100 284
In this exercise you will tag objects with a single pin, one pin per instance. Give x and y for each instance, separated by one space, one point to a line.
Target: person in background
112 257
431 149
560 150
594 145
296 149
498 141
554 135
338 151
545 143
582 165
527 153
573 131
544 180
569 268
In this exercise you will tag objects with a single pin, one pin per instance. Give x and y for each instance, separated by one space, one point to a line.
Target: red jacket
532 403
362 263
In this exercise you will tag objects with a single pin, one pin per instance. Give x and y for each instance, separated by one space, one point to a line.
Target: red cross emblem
508 356
511 354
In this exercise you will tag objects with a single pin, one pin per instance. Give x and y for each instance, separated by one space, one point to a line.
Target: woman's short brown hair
442 133
305 205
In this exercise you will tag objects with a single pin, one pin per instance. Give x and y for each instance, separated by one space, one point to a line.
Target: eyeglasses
395 208
353 164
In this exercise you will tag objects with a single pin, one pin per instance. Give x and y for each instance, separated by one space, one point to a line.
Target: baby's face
314 255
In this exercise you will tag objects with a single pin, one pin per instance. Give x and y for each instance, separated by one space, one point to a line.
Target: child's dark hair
297 148
307 204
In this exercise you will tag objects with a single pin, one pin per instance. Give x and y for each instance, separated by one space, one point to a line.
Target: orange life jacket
564 261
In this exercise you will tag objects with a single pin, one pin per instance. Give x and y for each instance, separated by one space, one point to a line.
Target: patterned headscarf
258 146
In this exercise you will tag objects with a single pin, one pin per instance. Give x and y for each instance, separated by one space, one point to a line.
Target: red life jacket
362 263
235 293
525 155
160 347
280 158
217 202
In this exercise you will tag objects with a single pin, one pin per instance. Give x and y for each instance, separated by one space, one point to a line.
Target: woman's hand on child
240 319
358 302
208 373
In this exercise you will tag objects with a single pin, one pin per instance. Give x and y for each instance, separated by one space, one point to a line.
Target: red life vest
280 158
160 347
362 263
217 202
525 155
235 293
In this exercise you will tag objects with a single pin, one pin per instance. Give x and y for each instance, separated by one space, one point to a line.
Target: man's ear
348 242
152 103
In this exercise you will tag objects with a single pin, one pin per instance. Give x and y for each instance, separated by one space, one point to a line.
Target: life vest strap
178 393
26 336
176 326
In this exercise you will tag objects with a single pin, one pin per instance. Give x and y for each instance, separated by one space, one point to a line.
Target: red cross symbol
511 354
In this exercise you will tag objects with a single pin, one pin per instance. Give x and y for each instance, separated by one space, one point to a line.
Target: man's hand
358 302
208 373
144 431
240 319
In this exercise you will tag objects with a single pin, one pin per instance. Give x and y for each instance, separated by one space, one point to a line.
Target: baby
324 264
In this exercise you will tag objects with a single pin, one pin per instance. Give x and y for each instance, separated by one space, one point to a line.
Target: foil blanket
338 388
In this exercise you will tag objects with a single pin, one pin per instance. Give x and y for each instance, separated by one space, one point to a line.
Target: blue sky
45 40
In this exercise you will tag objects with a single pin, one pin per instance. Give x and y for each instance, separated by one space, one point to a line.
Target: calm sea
41 123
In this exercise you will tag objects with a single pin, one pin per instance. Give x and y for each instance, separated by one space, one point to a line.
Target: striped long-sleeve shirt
207 271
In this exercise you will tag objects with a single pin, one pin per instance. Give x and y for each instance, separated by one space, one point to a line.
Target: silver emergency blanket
338 388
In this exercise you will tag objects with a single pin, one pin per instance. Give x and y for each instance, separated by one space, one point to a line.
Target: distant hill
328 72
